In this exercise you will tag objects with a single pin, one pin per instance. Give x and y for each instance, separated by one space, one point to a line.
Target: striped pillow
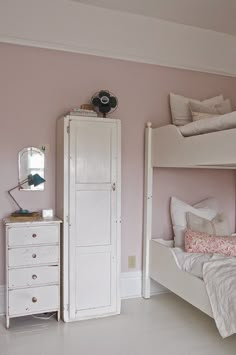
200 111
201 115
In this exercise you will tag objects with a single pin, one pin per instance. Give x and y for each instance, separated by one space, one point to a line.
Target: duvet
219 275
220 279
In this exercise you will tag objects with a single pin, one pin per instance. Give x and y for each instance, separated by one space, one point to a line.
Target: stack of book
82 112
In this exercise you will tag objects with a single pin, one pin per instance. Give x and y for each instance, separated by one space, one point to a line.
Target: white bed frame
166 147
169 149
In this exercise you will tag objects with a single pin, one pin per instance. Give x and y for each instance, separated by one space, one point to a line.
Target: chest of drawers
32 267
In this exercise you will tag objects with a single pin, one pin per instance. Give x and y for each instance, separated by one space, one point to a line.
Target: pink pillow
196 242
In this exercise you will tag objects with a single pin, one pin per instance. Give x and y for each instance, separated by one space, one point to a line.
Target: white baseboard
2 300
131 285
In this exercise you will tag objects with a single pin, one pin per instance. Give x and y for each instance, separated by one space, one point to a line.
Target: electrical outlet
132 262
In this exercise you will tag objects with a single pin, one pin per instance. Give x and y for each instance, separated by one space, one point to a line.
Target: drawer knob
34 235
34 277
34 256
34 300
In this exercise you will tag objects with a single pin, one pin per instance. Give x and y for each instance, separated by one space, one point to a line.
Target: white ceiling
217 15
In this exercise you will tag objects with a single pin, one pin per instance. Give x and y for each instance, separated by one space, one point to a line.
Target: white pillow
209 203
207 209
180 110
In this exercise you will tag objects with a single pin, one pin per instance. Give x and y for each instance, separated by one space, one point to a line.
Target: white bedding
219 275
208 125
191 262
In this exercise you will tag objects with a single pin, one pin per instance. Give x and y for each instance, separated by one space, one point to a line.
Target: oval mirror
31 160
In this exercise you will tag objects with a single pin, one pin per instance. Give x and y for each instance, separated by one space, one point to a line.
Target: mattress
209 125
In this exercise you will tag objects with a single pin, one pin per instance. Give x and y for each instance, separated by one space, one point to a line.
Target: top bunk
168 148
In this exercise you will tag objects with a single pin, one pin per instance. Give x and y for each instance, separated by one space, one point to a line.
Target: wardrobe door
93 218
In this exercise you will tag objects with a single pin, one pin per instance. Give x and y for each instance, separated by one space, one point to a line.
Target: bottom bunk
164 269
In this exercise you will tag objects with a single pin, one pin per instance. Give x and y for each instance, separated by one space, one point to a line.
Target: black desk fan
104 102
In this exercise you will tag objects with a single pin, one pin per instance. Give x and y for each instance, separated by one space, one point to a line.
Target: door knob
114 186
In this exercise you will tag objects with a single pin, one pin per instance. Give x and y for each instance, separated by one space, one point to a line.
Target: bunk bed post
147 227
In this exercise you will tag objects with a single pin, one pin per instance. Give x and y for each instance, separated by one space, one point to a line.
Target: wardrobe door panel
93 145
93 225
93 280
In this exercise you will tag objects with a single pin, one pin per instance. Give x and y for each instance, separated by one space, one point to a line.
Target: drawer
33 300
33 276
33 256
19 236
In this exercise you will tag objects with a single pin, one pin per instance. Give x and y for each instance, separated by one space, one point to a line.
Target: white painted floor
164 325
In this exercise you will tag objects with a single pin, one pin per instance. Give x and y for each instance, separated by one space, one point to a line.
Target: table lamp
35 180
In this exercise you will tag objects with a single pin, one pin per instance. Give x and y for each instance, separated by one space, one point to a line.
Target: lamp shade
35 179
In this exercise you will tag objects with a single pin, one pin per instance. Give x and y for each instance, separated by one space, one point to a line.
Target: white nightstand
32 267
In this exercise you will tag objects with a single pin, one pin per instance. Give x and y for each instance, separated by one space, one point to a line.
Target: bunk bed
166 147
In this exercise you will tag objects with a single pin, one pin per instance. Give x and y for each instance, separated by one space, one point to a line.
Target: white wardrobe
88 201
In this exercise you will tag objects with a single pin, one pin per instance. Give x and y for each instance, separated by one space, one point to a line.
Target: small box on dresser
32 267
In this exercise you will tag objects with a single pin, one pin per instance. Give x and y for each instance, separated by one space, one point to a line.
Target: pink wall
37 86
192 186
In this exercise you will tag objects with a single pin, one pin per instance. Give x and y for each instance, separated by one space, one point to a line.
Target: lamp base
24 213
21 212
